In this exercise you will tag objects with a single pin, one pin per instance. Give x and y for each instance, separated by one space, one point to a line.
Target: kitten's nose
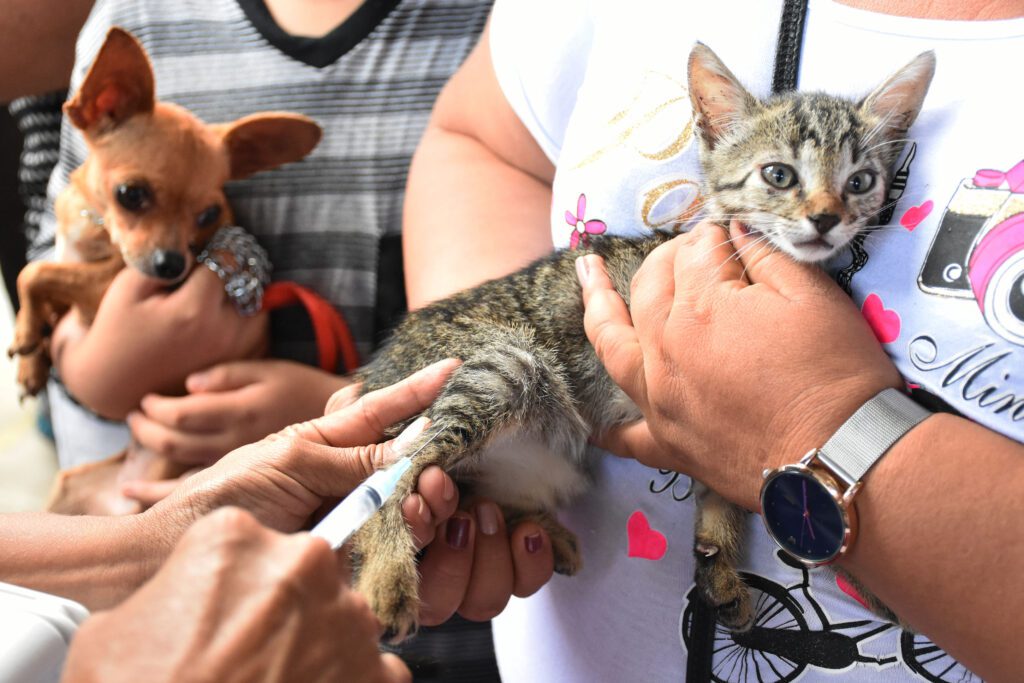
823 222
168 265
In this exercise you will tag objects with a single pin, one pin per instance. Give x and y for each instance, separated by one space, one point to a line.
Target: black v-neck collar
323 51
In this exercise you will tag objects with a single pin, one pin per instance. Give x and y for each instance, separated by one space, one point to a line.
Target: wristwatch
807 507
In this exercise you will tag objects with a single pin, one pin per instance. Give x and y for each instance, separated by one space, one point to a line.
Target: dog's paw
33 371
27 339
721 586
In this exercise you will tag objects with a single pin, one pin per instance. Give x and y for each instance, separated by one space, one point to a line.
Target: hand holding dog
739 357
146 337
236 601
230 405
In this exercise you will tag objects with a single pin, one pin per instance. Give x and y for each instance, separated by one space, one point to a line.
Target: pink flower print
582 228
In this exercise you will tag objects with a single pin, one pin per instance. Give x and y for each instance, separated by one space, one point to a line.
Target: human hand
230 405
476 564
738 357
147 338
237 602
285 478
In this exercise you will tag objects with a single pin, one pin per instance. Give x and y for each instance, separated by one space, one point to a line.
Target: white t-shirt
602 87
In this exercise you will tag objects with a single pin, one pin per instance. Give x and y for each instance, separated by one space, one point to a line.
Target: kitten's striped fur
529 372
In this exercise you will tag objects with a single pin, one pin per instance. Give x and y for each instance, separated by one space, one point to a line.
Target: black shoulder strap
787 51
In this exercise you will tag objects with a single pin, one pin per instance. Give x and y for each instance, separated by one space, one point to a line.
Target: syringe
359 506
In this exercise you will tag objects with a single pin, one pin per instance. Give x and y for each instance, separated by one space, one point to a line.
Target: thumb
610 330
133 286
149 493
635 441
769 266
224 377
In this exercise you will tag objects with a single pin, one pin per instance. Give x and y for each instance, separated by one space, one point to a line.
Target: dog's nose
168 265
823 222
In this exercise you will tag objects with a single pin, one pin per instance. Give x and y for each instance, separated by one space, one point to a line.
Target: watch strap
862 440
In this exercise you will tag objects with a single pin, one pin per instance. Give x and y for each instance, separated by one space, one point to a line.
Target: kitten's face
807 171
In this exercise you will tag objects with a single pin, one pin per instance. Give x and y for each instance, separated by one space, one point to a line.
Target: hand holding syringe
359 506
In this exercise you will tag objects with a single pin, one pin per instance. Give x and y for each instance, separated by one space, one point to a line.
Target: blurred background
27 457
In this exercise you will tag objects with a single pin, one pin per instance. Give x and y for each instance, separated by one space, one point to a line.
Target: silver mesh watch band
869 433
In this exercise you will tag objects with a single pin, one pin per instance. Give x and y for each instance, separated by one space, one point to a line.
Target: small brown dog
150 195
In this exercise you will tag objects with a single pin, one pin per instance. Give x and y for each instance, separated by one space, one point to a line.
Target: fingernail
533 543
197 381
457 532
487 517
132 416
424 510
409 434
449 489
582 270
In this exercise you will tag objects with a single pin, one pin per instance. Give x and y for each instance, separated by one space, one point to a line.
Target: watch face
802 516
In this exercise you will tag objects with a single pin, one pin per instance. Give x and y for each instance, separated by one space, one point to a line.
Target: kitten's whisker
886 142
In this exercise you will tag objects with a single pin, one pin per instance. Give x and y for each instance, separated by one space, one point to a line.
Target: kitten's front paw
720 585
391 587
397 613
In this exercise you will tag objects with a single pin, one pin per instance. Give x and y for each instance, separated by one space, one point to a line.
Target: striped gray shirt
331 221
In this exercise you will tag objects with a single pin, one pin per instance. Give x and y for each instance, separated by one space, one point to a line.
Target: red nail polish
457 532
533 543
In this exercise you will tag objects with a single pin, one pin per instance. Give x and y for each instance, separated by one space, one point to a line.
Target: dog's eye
779 176
209 216
134 196
861 181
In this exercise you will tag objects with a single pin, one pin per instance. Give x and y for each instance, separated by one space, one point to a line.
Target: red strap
332 334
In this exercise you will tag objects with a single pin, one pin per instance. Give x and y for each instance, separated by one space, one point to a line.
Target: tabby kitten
807 171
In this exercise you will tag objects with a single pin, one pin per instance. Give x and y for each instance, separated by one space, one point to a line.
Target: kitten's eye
861 181
779 175
208 217
135 197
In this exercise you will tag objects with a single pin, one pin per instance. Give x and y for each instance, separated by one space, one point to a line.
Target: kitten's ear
898 100
717 97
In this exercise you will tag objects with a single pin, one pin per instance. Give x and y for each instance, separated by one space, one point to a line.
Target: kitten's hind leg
506 385
718 534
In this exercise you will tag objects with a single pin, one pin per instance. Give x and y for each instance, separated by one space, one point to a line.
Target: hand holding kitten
739 358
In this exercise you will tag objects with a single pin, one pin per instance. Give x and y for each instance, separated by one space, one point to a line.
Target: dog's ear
263 141
119 85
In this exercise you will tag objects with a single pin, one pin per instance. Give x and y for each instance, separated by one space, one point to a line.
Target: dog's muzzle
168 265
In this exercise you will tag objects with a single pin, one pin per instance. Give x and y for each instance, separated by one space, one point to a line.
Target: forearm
39 45
97 561
941 542
110 371
469 217
479 189
111 378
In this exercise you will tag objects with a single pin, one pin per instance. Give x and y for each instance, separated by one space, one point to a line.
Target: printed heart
845 586
644 542
915 214
885 322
